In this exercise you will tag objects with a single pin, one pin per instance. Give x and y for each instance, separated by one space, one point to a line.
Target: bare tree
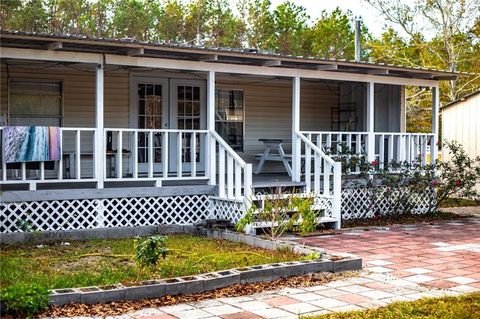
452 24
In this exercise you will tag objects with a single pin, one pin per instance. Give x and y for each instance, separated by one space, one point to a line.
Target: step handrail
235 169
329 168
228 149
316 149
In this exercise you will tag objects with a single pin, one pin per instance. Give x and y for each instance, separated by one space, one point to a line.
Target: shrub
25 300
149 251
308 222
407 181
277 215
457 177
247 219
280 213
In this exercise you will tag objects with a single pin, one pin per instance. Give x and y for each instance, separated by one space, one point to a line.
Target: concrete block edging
214 280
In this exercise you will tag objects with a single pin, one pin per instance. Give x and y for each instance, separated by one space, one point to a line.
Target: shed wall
461 122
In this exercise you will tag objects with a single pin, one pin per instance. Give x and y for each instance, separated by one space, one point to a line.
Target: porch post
99 125
211 151
435 107
296 147
371 121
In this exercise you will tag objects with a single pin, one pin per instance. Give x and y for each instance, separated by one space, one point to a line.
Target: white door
187 111
149 111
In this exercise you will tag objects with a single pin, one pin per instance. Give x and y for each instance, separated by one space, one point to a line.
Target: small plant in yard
25 226
280 213
246 220
312 256
149 251
276 216
25 300
308 222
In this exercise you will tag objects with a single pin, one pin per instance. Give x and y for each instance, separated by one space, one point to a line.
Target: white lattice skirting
55 215
363 202
234 210
225 209
96 213
325 203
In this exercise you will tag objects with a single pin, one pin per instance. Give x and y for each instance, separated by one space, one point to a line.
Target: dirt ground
465 210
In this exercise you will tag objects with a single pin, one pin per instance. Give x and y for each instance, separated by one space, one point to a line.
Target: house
460 122
155 133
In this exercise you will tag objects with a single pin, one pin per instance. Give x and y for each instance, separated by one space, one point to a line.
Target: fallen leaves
400 219
116 308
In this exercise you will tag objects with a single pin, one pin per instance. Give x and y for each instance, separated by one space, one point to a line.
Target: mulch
117 308
319 232
401 219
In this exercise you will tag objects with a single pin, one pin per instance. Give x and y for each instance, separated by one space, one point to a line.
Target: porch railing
384 147
77 143
155 154
403 147
234 174
140 155
325 173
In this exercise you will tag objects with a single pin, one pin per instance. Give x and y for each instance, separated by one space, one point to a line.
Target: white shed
461 122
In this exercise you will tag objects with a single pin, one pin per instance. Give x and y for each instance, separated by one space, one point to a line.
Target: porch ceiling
132 47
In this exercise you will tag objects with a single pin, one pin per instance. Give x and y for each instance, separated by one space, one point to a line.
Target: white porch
113 157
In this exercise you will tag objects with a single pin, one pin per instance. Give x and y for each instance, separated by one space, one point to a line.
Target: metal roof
179 51
464 98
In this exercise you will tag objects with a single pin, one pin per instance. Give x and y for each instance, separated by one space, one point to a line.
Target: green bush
280 213
408 181
247 219
25 300
308 223
149 251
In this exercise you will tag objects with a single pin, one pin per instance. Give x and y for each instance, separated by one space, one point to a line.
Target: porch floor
274 180
264 180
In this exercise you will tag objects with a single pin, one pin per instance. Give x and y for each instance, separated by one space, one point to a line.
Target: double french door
172 104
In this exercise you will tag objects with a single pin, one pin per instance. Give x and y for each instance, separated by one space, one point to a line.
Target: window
35 103
149 101
229 117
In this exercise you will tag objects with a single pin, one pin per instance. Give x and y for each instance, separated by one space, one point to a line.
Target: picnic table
273 151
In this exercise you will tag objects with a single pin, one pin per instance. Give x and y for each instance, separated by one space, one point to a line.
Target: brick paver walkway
400 263
439 255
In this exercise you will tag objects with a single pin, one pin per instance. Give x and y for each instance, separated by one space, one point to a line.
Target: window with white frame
229 117
35 103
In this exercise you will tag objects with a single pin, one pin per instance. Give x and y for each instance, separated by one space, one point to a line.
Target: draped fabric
31 144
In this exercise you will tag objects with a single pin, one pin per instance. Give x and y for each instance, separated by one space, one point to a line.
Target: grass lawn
105 262
462 307
456 202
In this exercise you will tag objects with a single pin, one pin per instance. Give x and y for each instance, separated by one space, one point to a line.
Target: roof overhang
246 57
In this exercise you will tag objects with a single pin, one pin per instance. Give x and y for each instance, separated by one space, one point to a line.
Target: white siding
268 103
79 94
461 123
3 90
268 112
78 101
